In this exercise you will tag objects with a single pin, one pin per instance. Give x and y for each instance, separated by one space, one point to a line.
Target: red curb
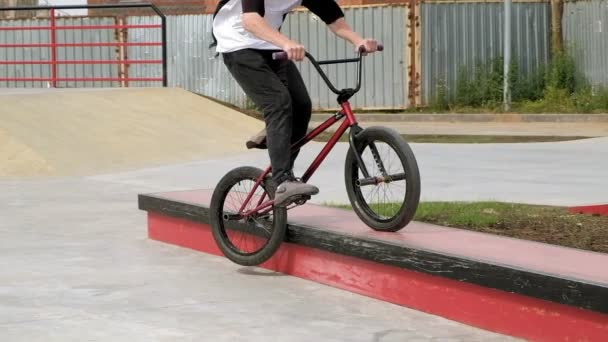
601 210
490 309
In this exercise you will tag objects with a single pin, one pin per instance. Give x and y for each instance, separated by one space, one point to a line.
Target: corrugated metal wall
190 63
63 53
34 54
103 53
457 34
384 82
453 35
585 27
192 66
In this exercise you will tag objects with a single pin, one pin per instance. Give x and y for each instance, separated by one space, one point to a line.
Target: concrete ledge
482 117
514 287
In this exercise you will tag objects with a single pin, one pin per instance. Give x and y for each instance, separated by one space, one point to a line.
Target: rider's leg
258 76
301 109
300 104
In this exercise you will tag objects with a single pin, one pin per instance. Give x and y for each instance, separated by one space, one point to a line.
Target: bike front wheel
252 240
388 198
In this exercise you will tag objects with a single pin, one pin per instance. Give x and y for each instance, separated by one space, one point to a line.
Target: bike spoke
383 199
249 233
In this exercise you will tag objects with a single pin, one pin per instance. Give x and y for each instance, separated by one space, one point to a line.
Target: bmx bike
383 189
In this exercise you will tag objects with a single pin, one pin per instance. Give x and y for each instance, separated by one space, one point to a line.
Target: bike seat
257 141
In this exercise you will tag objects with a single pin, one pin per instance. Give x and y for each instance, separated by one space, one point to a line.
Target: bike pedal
302 200
299 200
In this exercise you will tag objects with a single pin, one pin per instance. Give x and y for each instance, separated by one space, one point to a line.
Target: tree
557 12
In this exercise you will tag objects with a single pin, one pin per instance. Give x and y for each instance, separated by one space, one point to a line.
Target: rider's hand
294 51
370 45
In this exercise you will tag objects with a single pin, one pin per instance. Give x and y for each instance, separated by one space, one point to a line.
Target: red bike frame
350 122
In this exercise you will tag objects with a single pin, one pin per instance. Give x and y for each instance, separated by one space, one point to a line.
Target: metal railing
54 45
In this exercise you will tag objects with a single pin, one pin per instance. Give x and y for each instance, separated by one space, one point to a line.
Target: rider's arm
253 11
343 30
331 13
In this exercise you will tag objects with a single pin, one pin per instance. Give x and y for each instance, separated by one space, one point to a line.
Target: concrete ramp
63 132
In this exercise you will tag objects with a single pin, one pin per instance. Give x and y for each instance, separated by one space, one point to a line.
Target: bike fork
354 130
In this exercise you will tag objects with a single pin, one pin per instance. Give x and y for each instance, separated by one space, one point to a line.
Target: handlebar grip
362 48
280 55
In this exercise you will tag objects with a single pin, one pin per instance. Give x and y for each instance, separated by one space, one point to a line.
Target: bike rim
250 235
383 201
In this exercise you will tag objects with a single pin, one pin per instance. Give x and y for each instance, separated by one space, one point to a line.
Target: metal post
507 55
163 20
53 49
164 49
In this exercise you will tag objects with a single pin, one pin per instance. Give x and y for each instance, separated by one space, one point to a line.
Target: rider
247 32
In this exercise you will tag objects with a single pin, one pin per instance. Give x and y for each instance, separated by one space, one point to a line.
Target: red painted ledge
601 209
490 309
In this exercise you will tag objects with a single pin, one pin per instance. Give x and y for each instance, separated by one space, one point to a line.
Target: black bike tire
410 166
217 222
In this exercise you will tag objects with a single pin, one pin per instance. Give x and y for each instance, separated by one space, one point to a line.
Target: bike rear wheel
246 241
388 199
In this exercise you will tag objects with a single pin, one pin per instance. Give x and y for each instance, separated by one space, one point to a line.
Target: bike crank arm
238 217
380 179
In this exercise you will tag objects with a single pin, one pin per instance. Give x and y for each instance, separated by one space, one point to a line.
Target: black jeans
277 89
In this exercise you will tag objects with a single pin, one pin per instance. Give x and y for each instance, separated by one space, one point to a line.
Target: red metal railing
54 46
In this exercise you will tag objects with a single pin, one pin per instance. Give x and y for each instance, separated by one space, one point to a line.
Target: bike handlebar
283 55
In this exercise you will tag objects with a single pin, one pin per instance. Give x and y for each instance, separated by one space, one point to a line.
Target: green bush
561 73
482 87
567 90
485 86
589 100
528 86
556 87
440 101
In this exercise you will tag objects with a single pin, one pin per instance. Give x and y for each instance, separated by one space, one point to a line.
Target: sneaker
257 141
291 189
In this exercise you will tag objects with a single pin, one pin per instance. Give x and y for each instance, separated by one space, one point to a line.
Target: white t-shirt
231 35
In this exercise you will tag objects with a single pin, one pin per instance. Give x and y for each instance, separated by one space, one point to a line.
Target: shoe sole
298 197
294 199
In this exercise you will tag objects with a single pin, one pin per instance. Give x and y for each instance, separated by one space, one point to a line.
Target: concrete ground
565 173
76 266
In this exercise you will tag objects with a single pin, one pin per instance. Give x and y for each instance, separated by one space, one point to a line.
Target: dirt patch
547 224
553 225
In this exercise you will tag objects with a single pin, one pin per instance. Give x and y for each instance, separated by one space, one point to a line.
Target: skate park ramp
67 132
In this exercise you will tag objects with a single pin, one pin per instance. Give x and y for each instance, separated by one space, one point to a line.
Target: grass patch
556 87
463 139
548 224
586 100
